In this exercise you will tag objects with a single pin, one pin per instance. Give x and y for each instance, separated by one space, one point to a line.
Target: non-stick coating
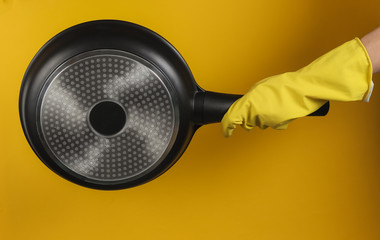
108 116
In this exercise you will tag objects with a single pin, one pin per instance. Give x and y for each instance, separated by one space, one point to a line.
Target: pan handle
210 107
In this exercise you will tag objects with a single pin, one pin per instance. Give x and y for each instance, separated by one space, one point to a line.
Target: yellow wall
320 179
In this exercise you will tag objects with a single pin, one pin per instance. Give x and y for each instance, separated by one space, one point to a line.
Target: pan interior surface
107 115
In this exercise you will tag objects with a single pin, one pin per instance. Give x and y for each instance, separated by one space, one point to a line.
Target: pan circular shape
107 115
108 104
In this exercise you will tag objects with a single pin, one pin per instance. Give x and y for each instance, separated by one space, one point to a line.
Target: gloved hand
343 74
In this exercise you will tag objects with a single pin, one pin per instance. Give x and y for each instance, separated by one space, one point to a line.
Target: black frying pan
110 104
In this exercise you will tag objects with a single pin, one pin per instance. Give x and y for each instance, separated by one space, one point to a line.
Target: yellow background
319 179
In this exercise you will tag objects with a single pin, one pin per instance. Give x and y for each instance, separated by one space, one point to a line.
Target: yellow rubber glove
343 74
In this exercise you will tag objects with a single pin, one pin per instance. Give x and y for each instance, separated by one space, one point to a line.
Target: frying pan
110 104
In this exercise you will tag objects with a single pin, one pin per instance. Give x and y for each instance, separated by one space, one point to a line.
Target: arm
371 42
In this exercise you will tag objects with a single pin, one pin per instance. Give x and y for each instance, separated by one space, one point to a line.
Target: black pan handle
210 107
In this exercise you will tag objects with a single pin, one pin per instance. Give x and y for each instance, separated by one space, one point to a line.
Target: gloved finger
281 127
247 126
229 124
233 117
228 132
228 129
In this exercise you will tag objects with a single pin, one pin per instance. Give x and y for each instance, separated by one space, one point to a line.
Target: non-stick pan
110 104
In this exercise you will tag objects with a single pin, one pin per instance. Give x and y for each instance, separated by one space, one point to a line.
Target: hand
343 74
371 42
